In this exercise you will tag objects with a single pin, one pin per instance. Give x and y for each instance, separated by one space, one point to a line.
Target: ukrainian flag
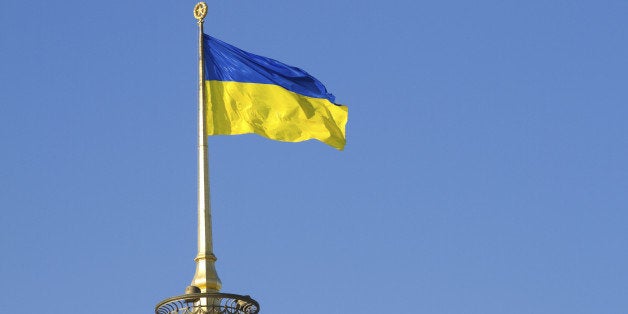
247 93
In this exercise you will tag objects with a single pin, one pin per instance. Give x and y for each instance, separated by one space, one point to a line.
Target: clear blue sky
486 169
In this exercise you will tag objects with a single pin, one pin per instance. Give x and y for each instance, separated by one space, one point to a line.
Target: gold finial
200 10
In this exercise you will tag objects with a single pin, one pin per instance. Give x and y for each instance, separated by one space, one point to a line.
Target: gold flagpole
203 295
205 278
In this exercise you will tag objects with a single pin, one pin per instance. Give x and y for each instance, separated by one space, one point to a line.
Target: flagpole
203 295
205 277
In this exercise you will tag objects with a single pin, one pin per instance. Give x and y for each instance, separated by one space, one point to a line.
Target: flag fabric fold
248 93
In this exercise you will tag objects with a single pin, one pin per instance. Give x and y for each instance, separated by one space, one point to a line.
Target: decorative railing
208 303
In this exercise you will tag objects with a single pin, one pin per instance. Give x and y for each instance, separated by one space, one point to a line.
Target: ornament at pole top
200 11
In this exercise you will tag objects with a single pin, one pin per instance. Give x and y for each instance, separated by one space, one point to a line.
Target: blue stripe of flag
224 62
